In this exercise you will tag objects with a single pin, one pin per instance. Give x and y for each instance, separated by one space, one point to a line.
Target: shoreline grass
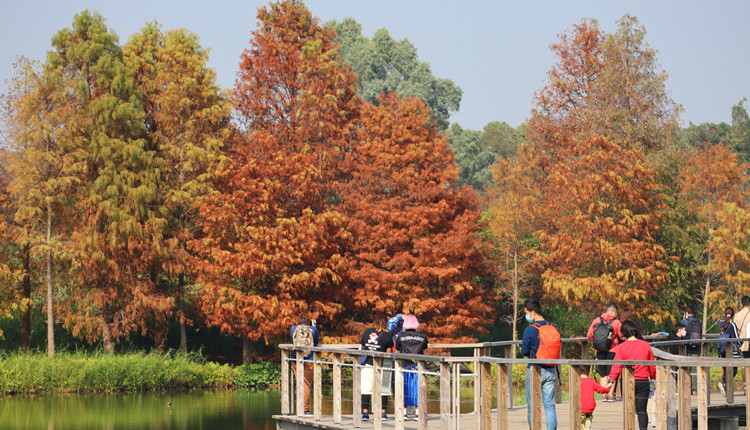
30 373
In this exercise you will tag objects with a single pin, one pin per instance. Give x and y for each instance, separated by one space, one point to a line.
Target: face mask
529 319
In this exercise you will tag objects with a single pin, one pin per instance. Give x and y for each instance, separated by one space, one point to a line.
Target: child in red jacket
588 403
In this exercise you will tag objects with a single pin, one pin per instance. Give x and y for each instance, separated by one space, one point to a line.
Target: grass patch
22 372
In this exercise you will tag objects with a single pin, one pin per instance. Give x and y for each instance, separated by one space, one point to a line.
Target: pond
183 410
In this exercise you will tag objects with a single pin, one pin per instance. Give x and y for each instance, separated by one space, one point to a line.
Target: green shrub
257 375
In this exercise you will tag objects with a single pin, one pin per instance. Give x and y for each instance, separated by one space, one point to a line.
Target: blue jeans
548 396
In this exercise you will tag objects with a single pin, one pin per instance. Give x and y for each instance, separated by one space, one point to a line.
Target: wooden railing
479 368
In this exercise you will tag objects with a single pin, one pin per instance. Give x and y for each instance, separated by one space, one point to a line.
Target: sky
496 51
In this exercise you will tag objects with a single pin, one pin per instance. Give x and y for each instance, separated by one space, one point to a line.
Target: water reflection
176 410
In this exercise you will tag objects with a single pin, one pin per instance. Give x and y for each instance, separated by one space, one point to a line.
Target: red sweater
634 350
588 386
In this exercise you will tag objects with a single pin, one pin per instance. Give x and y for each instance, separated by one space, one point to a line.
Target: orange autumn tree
712 178
607 84
415 234
599 210
272 243
729 246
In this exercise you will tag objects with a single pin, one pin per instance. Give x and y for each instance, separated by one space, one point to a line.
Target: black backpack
602 335
693 329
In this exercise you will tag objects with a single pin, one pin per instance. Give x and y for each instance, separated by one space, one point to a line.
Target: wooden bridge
477 391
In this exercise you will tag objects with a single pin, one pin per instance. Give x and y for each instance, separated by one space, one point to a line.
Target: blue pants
548 396
411 387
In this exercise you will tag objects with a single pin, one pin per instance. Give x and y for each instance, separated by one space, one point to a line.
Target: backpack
303 335
602 335
693 329
549 341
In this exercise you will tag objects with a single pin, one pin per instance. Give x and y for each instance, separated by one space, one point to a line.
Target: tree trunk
247 353
26 283
109 346
50 315
181 313
515 294
705 301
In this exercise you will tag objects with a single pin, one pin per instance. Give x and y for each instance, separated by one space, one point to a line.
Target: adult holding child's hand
635 348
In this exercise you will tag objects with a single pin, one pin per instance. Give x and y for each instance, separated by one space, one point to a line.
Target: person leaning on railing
635 348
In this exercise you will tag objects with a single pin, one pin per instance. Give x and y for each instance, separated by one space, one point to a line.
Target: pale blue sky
496 51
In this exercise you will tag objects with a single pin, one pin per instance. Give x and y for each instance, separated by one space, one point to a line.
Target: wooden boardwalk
607 416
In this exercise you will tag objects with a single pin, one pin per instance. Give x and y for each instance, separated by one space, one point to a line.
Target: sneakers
722 388
365 416
308 413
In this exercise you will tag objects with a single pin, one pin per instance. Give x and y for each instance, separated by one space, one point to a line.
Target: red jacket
588 386
634 350
616 334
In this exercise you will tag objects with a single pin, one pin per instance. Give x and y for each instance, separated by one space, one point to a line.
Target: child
588 403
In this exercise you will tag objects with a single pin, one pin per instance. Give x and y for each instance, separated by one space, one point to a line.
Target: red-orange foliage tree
415 234
600 208
272 244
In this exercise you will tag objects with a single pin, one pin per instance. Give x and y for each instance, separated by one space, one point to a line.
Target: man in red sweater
588 402
608 319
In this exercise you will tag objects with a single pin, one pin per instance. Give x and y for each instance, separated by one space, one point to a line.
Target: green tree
477 151
114 223
740 139
385 65
696 135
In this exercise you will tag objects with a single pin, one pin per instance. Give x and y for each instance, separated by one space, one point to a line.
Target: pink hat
411 322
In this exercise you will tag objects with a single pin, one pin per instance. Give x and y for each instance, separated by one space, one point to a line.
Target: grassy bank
97 372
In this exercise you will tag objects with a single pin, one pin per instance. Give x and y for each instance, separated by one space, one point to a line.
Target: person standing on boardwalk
305 333
604 334
376 338
635 348
411 341
731 349
742 320
541 339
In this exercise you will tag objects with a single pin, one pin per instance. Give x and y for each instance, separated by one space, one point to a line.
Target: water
189 410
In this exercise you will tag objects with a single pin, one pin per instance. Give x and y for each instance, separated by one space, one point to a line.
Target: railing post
574 394
684 418
300 383
536 397
502 397
746 374
445 395
317 387
628 398
510 352
377 388
662 372
729 383
477 379
337 388
703 400
398 399
422 395
356 392
285 401
485 406
456 421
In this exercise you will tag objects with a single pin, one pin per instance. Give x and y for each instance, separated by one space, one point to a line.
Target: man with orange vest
541 339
